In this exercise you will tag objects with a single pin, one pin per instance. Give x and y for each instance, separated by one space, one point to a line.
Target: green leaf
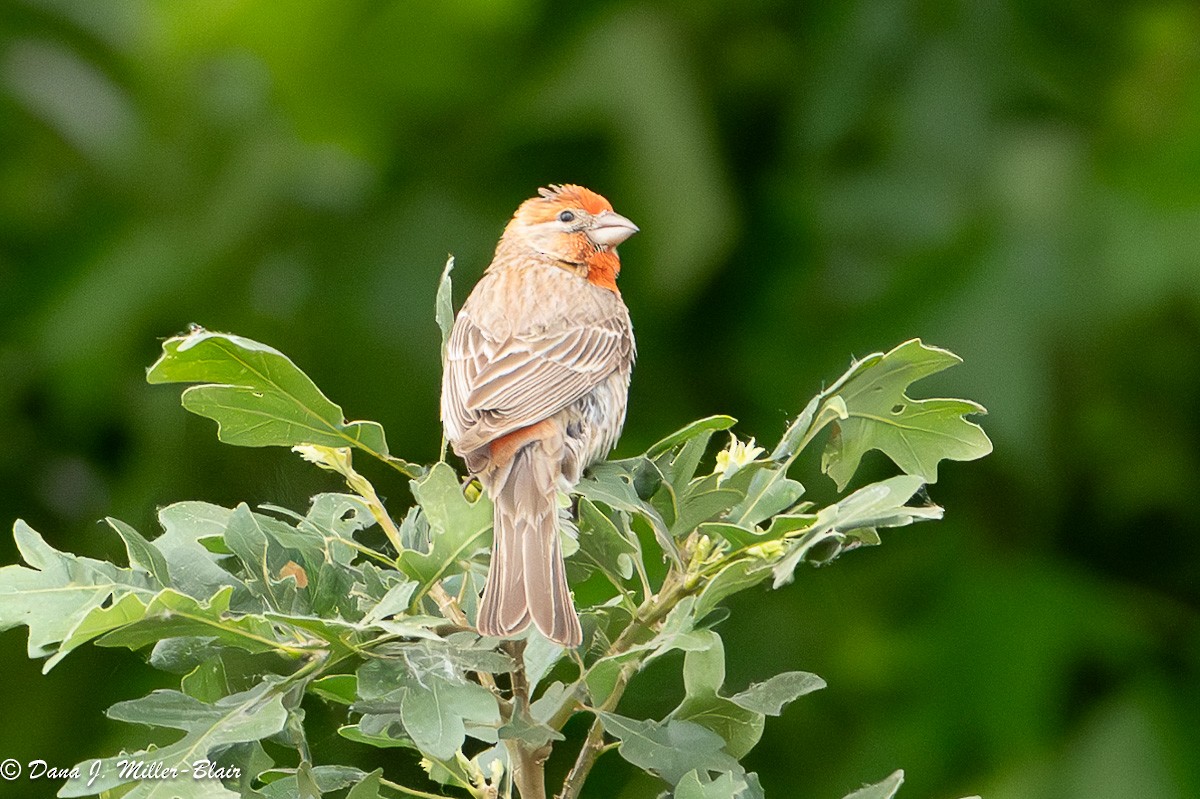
328 779
395 602
126 610
58 593
269 550
444 305
336 518
704 669
256 395
737 576
725 786
143 555
183 787
820 411
882 505
853 520
427 695
703 676
368 787
604 547
710 424
770 492
248 716
341 637
324 539
552 700
194 569
698 507
669 748
207 682
678 631
352 732
306 782
612 484
880 790
523 727
540 656
171 614
458 528
339 688
916 434
678 465
770 697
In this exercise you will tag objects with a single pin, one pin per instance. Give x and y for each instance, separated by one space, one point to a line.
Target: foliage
1017 181
261 608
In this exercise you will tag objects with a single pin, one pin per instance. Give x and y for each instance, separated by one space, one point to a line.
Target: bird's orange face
576 226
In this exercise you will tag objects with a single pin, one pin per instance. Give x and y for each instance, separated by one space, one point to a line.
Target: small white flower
737 455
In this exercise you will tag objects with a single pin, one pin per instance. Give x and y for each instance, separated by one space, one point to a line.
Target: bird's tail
527 580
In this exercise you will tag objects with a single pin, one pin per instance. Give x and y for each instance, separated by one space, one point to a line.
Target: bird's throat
603 266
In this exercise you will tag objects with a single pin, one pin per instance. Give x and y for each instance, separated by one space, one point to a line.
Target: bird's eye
566 216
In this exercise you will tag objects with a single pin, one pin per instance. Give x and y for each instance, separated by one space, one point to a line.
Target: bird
535 385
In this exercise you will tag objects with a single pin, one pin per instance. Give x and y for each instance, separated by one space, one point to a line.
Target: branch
529 762
649 614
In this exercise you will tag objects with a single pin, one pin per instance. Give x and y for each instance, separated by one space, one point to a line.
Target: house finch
534 390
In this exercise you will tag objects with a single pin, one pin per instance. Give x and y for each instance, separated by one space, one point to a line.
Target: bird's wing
493 387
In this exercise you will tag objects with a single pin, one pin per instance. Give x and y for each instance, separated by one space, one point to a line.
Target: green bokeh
1016 181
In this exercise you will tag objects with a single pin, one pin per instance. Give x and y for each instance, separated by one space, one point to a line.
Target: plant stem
573 784
395 786
529 762
650 613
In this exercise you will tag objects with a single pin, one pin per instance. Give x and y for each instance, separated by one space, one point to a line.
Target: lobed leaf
603 547
613 484
196 570
771 696
58 591
258 397
915 434
770 492
703 676
853 520
368 787
248 716
285 784
670 748
427 697
725 786
458 527
171 614
143 555
710 425
207 682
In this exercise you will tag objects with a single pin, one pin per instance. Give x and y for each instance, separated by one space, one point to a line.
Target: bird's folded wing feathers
495 387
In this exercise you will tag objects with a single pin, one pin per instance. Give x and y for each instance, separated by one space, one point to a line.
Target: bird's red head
576 226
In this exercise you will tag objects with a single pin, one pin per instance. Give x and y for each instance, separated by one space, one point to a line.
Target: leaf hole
897 409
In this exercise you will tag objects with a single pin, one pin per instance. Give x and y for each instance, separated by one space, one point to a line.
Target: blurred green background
1016 181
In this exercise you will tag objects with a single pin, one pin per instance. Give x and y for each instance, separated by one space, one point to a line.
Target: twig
650 613
529 762
395 786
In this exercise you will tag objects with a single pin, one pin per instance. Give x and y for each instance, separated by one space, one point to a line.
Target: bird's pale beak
610 229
